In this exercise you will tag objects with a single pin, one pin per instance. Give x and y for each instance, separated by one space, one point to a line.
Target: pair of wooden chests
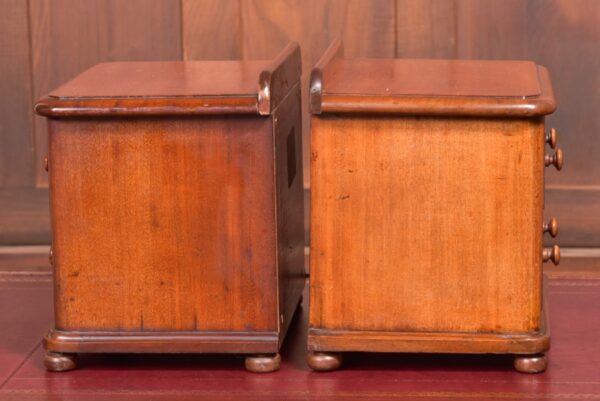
177 212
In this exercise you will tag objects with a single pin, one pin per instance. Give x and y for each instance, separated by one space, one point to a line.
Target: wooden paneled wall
46 42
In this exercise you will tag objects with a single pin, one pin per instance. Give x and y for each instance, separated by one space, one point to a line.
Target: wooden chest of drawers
177 208
427 195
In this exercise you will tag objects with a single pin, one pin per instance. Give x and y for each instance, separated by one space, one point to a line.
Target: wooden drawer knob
552 254
551 227
46 163
552 138
556 159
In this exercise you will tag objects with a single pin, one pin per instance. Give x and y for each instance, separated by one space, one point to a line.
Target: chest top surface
177 87
421 77
165 79
429 86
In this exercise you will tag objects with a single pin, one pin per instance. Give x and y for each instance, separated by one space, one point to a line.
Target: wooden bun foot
531 363
59 362
324 361
263 363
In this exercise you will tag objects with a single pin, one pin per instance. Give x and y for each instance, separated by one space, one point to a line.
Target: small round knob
552 254
551 227
51 256
556 159
46 163
552 138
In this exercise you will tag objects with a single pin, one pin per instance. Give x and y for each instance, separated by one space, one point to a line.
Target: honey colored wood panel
414 224
69 36
211 30
287 132
181 217
426 29
16 167
367 28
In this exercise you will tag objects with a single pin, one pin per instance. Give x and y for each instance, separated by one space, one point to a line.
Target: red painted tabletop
573 372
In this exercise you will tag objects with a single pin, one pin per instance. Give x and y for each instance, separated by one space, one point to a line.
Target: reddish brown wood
201 87
560 34
16 164
52 107
24 216
335 50
473 342
69 36
220 21
531 364
176 231
324 361
435 78
263 363
432 87
426 214
196 79
578 224
60 362
125 341
276 81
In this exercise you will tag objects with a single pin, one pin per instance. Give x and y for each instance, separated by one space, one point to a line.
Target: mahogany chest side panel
426 224
164 224
287 131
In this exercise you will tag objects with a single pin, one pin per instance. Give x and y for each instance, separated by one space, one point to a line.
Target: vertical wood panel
24 216
426 29
564 35
491 29
366 27
69 36
15 91
211 30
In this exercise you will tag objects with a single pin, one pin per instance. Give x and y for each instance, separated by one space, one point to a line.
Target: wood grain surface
184 216
426 29
406 212
177 88
25 216
68 36
16 139
430 77
430 87
147 79
214 19
176 232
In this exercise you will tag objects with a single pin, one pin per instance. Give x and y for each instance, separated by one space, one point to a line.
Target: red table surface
573 372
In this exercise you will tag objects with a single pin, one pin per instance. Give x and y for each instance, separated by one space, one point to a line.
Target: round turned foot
59 362
324 361
263 363
531 363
